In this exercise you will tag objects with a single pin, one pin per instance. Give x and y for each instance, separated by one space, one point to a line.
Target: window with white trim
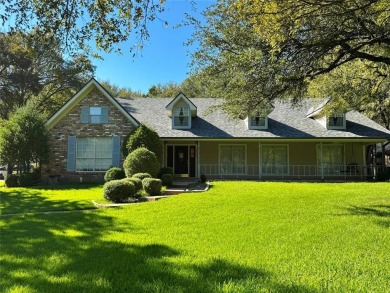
94 153
232 159
95 114
332 159
181 117
274 160
336 121
258 121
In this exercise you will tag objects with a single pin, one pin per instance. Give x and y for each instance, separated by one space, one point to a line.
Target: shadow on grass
76 253
30 200
381 213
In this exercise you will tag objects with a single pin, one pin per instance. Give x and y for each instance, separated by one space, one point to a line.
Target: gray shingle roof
285 121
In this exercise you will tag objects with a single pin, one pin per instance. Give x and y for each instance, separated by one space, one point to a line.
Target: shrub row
22 180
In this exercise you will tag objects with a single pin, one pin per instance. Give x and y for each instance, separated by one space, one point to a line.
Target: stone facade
70 125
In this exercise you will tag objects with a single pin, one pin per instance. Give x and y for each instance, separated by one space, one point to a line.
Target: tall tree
254 52
32 71
23 139
75 22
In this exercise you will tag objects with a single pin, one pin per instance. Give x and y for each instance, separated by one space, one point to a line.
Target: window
274 160
336 121
94 115
181 117
258 121
94 153
232 159
332 159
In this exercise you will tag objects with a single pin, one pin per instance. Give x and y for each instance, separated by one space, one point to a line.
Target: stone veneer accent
70 125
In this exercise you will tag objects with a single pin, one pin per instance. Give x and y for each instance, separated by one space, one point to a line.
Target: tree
32 71
145 137
253 52
23 139
120 92
75 22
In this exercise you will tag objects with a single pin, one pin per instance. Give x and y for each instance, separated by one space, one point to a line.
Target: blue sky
164 57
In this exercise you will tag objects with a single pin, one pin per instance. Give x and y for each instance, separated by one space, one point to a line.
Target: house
284 142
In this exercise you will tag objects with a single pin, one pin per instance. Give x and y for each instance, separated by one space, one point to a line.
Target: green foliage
167 179
24 139
11 180
114 173
144 137
34 72
137 184
75 23
118 190
25 180
142 176
252 53
152 186
141 161
203 178
165 170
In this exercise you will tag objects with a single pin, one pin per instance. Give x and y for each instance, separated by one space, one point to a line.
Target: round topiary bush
11 180
141 161
165 170
118 190
114 173
167 179
137 184
142 176
152 186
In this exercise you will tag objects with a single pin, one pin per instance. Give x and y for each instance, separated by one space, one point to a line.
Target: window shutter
116 145
84 114
71 161
104 118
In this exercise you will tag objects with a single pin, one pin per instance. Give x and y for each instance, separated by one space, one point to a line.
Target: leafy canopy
76 22
254 52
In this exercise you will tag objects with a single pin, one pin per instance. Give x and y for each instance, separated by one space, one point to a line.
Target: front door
182 158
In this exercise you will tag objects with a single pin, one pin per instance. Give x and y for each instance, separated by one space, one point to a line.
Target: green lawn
237 237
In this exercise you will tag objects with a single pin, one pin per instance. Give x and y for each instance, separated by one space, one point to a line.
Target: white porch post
198 158
322 165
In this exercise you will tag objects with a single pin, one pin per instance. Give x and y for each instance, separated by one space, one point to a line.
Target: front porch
350 172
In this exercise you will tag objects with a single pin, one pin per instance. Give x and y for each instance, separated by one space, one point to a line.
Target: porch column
322 166
259 152
364 171
198 157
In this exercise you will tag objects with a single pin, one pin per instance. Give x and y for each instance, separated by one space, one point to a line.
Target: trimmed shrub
11 180
142 176
118 190
26 179
165 170
114 173
203 178
152 186
167 179
145 137
141 161
137 184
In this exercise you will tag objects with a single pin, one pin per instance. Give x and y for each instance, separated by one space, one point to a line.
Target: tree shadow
74 252
380 213
30 200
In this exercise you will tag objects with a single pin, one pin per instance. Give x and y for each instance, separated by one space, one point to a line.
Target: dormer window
258 121
336 121
181 117
181 110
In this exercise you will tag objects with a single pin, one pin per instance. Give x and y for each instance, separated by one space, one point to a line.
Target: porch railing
351 171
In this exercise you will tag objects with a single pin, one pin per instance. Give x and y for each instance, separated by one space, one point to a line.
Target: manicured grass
238 237
49 198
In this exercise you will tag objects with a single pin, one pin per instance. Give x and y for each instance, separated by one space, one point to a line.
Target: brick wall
70 125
